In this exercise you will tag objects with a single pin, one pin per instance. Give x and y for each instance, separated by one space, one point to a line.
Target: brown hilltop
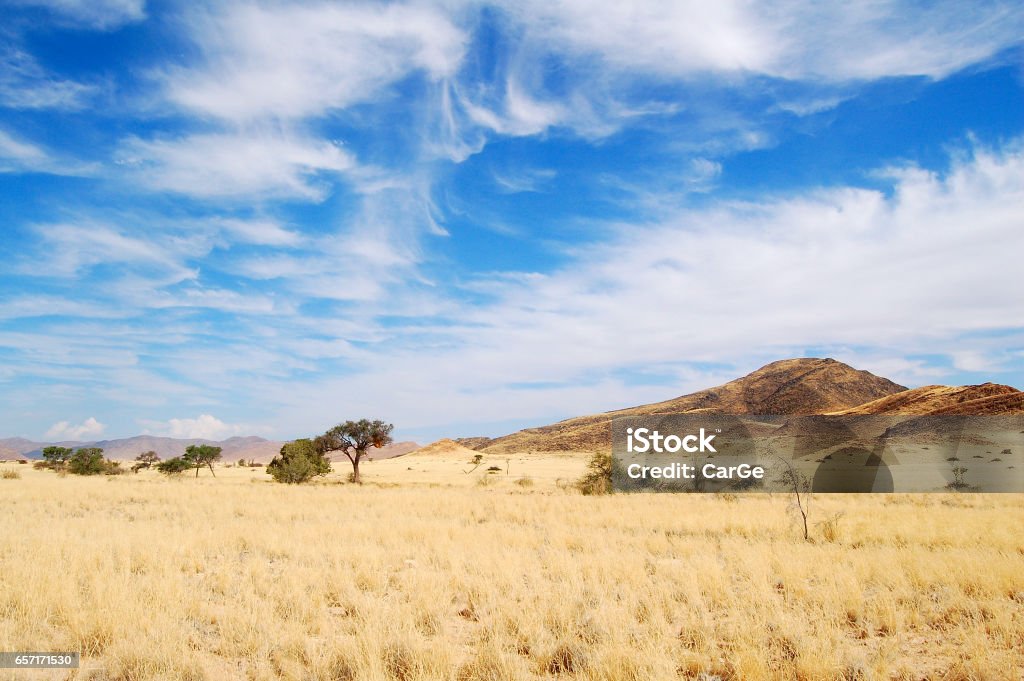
445 448
986 398
1012 403
790 386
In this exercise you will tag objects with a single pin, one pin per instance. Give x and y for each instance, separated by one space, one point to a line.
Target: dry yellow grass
240 578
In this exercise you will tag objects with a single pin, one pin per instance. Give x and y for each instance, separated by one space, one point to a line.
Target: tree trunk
211 470
355 471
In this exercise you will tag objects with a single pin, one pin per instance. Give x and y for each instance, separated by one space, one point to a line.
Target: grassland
240 578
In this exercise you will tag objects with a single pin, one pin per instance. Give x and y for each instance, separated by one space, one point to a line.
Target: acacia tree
202 455
353 438
145 460
56 457
87 461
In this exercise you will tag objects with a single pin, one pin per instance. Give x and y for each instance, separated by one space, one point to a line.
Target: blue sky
464 217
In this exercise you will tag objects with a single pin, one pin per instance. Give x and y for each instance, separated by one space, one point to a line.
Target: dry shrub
829 527
491 663
567 657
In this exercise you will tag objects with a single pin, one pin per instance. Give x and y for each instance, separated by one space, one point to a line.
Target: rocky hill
790 386
986 398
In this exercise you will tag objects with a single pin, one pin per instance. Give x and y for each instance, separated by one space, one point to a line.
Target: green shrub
175 466
299 462
88 461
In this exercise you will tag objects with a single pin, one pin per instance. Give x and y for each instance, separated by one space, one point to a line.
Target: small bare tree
800 485
477 460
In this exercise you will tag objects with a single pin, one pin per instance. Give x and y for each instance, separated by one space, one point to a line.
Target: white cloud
260 232
96 14
17 155
90 429
20 156
204 426
70 248
236 164
802 39
608 47
295 61
973 360
24 307
528 180
671 36
25 84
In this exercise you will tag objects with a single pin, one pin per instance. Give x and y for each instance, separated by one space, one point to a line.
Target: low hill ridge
983 398
445 447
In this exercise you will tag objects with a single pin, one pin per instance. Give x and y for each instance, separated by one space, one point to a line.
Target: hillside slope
790 386
984 398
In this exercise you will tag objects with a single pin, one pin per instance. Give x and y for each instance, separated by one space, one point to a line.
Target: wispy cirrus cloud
614 50
18 155
69 248
94 14
301 60
269 165
25 84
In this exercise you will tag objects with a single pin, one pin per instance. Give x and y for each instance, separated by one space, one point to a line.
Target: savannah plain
428 572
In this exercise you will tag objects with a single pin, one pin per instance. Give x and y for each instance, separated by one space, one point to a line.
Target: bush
299 462
175 466
598 479
88 461
959 482
10 475
525 481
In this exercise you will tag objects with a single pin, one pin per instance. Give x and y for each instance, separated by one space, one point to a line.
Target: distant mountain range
250 448
787 387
